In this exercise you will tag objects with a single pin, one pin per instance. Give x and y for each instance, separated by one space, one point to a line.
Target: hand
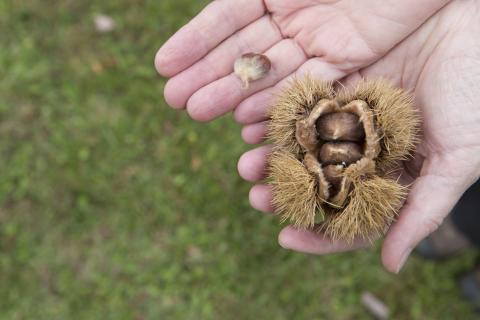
331 39
324 37
440 63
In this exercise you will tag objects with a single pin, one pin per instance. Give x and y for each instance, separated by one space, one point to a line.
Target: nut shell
344 153
252 66
333 174
344 126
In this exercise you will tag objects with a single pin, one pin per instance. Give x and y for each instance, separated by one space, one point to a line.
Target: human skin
429 47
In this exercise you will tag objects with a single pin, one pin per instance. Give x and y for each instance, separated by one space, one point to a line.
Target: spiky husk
293 104
372 205
294 189
375 198
395 116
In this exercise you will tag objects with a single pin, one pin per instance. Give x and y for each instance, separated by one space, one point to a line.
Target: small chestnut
251 66
333 174
343 126
344 153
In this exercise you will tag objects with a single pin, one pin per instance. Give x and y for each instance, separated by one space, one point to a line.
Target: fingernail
283 243
283 239
403 260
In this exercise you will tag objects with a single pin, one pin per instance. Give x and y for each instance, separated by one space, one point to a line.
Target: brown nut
344 153
333 174
342 126
251 66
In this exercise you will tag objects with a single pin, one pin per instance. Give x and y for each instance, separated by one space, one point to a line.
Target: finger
352 79
256 37
252 164
215 23
256 108
225 94
313 242
254 133
430 200
260 197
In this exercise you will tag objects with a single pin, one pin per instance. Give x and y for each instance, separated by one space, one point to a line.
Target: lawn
113 206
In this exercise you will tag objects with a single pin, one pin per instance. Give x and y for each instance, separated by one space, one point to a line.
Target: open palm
342 40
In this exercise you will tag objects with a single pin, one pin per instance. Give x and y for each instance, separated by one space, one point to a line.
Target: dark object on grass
470 287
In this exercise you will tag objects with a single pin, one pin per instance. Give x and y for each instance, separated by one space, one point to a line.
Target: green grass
113 206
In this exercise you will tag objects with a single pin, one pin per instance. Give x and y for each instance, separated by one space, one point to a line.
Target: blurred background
113 206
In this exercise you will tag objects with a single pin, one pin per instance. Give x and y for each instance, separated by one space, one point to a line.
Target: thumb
432 197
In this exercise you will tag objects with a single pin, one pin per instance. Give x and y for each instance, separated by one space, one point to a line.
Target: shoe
444 243
470 286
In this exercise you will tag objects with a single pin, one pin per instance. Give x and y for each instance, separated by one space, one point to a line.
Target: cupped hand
438 60
440 63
